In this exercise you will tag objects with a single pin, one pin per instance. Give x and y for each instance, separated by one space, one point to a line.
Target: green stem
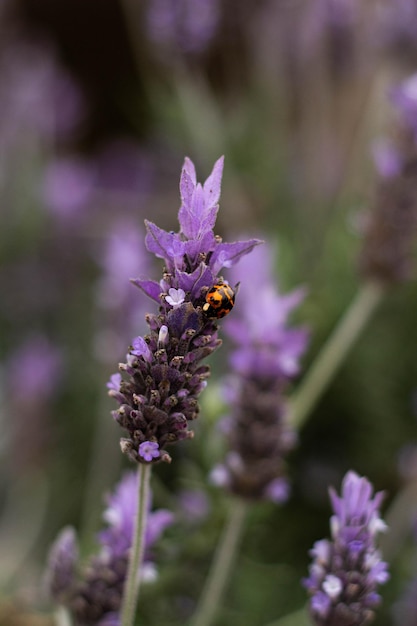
400 518
334 352
62 617
298 618
131 590
221 566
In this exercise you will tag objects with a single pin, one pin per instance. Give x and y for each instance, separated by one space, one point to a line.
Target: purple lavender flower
186 25
404 97
264 361
194 505
396 30
39 363
122 313
36 93
93 593
347 570
392 221
164 375
68 187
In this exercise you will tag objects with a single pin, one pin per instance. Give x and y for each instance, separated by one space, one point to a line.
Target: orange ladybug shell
220 300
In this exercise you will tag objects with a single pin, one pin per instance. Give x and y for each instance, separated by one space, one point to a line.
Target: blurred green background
99 104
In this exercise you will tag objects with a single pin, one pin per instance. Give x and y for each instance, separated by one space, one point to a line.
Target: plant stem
62 617
221 565
131 590
334 352
298 618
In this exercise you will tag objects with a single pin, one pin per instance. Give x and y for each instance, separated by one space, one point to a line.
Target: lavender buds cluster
163 375
93 593
347 570
264 361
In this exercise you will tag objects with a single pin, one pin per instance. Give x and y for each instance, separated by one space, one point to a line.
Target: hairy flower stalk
163 375
347 570
93 593
264 361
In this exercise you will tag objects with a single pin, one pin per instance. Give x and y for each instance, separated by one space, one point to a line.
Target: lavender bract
164 375
347 570
93 594
264 361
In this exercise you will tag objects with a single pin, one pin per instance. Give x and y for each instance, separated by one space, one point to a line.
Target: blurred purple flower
37 93
39 364
194 504
62 565
93 593
331 28
347 570
387 159
391 224
264 361
68 187
186 25
404 97
396 30
164 375
124 167
121 257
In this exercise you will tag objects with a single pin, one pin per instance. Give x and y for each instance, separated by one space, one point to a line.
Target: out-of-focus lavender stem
219 574
335 350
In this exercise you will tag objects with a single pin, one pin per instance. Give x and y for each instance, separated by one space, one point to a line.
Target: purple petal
114 382
157 522
227 254
201 277
165 245
150 287
188 182
212 186
110 619
199 205
182 318
141 348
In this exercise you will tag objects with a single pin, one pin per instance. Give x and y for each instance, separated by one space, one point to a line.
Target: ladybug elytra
220 300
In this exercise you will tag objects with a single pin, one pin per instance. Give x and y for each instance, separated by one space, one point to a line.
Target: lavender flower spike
93 594
265 360
163 374
347 570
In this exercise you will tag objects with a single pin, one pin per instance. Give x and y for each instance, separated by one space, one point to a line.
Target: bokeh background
99 103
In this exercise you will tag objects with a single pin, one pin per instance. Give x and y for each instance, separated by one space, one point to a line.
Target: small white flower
410 87
377 525
219 476
175 297
148 572
332 585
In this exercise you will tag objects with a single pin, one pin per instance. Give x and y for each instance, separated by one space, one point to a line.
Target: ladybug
220 300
